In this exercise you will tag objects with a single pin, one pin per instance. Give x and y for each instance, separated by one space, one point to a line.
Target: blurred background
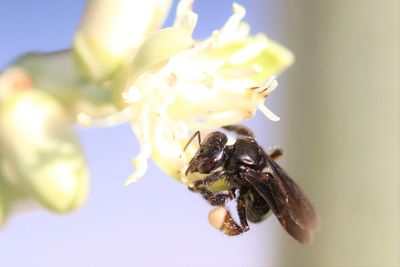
339 109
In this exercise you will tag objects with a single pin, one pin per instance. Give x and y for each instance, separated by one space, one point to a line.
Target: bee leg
216 199
230 227
242 213
275 153
209 180
239 130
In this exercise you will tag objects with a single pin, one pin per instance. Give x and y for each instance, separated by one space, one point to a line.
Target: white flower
175 86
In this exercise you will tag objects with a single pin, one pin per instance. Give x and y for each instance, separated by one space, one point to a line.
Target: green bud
40 143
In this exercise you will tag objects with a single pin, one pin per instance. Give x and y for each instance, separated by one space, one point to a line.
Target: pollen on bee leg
216 217
221 219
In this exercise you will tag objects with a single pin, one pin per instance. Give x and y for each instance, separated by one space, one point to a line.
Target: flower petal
154 53
255 58
111 30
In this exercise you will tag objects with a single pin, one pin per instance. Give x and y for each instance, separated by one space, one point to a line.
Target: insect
257 182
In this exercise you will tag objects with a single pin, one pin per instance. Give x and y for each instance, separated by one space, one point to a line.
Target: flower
163 82
172 86
40 157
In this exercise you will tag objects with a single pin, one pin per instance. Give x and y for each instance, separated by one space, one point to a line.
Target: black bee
260 183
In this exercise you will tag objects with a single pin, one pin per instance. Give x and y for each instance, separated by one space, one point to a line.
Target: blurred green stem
344 111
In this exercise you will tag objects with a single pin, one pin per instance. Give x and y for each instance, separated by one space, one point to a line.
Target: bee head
210 155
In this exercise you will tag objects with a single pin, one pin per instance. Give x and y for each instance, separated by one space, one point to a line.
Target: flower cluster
174 86
123 68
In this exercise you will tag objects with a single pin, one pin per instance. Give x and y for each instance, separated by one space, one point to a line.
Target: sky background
156 221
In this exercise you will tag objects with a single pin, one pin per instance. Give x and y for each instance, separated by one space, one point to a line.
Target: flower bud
39 142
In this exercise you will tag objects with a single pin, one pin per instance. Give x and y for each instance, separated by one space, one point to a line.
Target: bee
255 180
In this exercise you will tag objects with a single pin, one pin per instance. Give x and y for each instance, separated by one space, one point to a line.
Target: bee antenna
191 139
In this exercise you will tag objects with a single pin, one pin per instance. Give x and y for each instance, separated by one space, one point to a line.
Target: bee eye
210 152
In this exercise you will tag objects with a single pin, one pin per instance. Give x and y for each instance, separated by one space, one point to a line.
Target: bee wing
283 198
300 208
